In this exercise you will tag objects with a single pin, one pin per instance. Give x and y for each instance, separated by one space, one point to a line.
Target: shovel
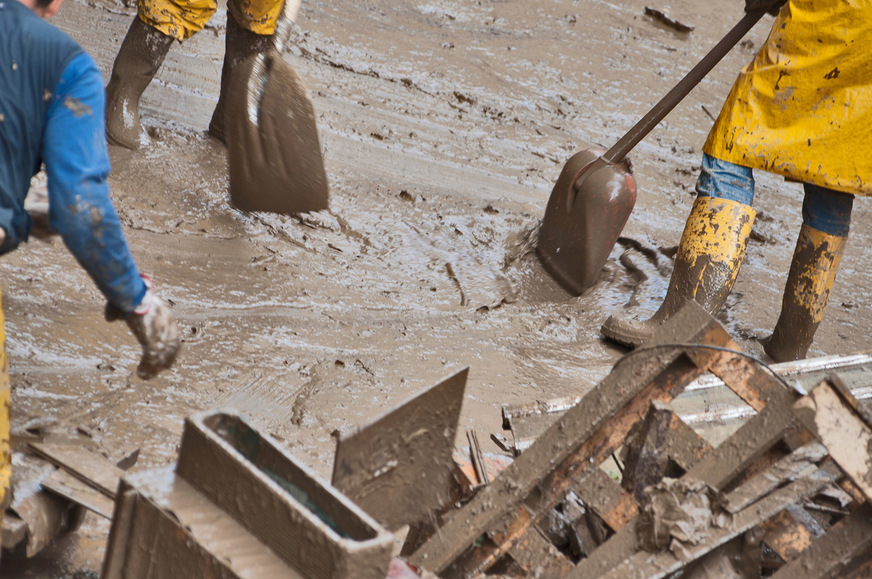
595 193
272 139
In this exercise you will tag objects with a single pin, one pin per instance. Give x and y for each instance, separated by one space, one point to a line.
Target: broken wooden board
791 532
707 405
847 538
400 468
845 435
70 487
788 468
85 464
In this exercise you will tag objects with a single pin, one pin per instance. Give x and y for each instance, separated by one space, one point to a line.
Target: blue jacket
51 111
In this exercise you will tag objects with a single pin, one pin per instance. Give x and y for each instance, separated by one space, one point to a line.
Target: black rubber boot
142 52
709 256
811 277
239 44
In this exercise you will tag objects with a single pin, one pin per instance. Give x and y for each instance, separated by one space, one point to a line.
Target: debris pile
785 495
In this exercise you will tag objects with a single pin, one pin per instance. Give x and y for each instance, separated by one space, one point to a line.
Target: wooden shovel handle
617 153
283 25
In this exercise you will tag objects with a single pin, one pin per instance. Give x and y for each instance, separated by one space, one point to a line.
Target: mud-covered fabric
33 56
802 108
52 104
181 19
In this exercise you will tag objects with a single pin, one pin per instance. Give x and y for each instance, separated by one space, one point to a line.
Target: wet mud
444 126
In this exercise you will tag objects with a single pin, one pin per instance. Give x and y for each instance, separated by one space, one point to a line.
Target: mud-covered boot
711 250
142 52
812 273
239 44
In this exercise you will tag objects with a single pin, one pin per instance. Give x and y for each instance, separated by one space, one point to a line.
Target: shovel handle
617 153
283 25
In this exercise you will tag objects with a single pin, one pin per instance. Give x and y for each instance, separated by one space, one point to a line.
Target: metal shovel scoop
272 139
595 193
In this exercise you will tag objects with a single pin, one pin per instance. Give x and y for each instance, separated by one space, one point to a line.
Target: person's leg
240 43
142 52
826 221
711 250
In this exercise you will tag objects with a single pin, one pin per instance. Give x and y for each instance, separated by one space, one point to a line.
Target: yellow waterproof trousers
803 107
181 19
5 450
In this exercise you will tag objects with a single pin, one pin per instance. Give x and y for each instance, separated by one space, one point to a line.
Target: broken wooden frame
765 469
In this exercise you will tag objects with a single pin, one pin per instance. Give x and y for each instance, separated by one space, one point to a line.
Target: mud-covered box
236 505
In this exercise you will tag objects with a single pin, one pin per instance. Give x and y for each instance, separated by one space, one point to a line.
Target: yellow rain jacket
803 107
182 19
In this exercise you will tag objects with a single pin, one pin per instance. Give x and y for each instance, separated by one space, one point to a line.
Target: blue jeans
823 209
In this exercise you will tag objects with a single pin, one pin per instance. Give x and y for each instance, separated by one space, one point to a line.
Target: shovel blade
587 210
274 153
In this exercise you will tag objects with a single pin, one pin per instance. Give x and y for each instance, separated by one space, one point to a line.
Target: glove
770 6
156 330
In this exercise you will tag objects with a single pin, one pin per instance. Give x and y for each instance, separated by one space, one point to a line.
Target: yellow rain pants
803 107
181 19
5 451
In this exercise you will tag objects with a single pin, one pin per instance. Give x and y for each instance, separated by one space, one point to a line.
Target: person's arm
80 210
77 165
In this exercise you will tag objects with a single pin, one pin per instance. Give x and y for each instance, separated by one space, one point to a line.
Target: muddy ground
444 125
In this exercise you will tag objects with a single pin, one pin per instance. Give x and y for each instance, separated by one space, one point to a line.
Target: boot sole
620 331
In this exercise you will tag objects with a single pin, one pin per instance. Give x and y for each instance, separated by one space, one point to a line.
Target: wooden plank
374 465
646 458
847 538
73 489
788 468
790 532
606 498
85 464
535 553
645 565
754 438
683 445
560 451
848 439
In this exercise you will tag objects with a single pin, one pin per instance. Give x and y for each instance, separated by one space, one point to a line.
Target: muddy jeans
823 209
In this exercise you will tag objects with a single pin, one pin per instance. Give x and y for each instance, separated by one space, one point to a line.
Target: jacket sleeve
77 165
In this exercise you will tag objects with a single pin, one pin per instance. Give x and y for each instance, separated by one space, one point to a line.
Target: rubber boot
239 44
812 273
142 52
711 250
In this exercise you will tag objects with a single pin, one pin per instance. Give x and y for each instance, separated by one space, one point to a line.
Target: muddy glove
156 330
770 6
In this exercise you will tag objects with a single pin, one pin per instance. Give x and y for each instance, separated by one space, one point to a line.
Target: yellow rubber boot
812 273
709 256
